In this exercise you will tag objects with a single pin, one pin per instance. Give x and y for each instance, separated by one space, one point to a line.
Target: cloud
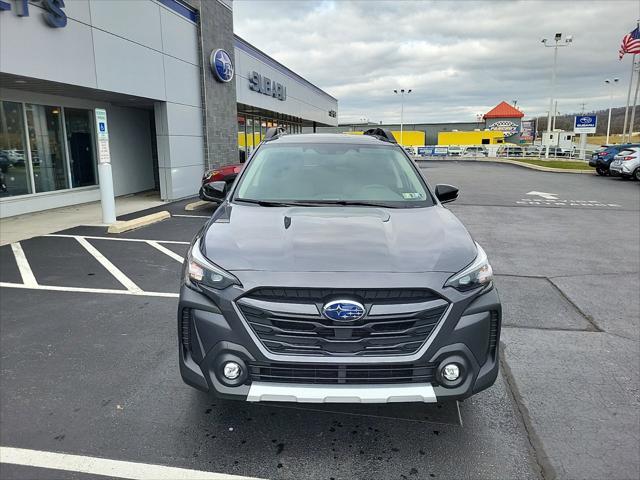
459 57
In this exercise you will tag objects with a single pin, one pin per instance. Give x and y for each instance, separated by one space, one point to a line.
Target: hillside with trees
565 122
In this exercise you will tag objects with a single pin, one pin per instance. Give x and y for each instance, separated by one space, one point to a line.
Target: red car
226 173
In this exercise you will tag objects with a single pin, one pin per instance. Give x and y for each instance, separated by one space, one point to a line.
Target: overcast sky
459 57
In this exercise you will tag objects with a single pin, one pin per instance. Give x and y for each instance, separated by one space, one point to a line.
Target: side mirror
218 189
446 193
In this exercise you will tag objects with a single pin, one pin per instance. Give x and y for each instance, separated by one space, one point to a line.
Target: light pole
557 39
402 93
611 83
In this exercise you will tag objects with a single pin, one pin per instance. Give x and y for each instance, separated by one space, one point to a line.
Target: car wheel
636 174
602 171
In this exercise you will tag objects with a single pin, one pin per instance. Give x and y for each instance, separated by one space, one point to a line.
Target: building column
219 99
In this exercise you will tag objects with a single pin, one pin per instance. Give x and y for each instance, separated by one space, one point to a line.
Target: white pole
626 110
553 86
107 198
633 110
401 116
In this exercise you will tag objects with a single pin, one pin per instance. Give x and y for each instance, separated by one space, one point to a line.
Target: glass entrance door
79 129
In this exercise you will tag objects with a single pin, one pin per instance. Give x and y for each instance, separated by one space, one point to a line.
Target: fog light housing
231 370
451 372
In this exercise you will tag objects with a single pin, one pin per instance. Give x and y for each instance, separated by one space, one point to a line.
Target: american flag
630 43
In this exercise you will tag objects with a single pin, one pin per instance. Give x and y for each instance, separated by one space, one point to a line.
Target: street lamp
557 43
611 83
402 93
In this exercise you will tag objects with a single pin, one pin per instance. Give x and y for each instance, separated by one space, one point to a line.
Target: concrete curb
514 162
189 207
126 225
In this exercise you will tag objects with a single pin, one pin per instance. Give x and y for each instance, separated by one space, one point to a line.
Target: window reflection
14 167
45 138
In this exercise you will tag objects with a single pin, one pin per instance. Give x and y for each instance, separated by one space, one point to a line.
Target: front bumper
214 331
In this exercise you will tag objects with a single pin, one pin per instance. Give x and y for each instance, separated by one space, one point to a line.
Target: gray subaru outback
331 272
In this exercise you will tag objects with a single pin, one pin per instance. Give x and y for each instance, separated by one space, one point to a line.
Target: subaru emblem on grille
343 310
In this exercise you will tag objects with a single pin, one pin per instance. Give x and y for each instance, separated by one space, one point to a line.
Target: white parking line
166 251
105 467
106 263
192 216
54 288
90 237
23 265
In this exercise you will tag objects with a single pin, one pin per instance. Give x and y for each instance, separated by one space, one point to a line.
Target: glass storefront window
242 138
14 167
250 137
80 144
44 126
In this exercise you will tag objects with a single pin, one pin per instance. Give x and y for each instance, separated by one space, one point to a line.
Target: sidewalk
14 229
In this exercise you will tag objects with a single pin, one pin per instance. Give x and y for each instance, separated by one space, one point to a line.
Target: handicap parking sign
102 127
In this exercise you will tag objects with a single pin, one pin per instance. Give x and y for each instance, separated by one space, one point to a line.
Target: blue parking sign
102 127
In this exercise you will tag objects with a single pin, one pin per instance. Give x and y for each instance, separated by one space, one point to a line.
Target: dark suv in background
331 272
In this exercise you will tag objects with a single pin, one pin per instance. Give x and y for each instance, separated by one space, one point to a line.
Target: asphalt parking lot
89 362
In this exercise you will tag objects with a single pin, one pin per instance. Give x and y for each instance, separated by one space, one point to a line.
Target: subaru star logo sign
221 65
343 310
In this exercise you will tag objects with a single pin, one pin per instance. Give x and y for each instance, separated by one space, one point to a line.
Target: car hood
337 239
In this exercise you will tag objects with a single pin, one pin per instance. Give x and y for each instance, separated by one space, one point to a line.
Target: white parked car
455 151
476 151
626 164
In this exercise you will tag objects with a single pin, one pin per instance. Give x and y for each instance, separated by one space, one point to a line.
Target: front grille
341 374
313 334
365 295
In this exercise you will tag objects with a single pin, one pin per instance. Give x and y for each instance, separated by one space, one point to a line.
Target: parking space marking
54 288
106 263
166 251
23 265
192 216
141 293
105 467
117 239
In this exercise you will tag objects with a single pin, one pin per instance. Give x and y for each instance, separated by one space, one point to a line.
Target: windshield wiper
350 202
270 203
263 203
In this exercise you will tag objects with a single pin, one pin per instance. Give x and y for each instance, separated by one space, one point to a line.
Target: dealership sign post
584 124
107 198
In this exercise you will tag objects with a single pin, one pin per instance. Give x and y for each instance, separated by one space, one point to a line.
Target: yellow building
410 138
483 137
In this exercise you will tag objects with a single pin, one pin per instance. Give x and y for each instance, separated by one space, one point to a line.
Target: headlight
201 271
478 273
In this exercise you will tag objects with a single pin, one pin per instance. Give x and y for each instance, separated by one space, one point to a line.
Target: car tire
636 174
602 171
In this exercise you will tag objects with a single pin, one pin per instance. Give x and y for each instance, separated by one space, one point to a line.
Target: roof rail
381 134
273 133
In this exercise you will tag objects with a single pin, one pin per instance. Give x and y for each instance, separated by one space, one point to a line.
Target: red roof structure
503 110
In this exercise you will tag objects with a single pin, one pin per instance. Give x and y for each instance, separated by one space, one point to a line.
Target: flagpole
626 110
633 110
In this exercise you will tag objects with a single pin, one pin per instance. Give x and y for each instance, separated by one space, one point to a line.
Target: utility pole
557 38
402 93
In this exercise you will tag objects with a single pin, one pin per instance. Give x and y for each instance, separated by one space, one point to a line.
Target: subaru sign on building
222 65
585 124
181 92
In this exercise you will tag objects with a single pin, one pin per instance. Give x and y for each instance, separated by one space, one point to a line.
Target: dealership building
180 91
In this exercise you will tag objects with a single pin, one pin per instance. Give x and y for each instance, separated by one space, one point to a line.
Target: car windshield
332 174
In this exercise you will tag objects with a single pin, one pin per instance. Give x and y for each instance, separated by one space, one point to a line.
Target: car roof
354 139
